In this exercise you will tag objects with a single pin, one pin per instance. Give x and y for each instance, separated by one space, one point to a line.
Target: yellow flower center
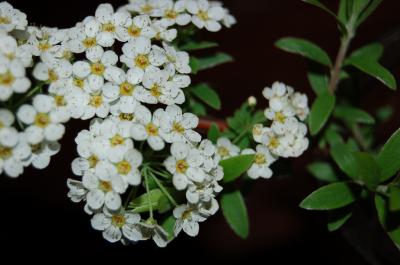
126 116
203 15
147 8
1 124
273 143
36 148
67 55
187 214
117 140
4 20
89 42
42 120
134 31
124 167
177 127
142 61
279 117
44 45
93 161
10 56
126 89
223 151
7 79
60 100
108 27
181 166
53 76
78 82
171 14
155 91
260 159
97 68
105 186
151 129
96 101
118 220
5 152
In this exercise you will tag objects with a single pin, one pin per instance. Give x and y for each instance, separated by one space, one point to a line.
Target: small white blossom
11 18
188 220
226 149
262 160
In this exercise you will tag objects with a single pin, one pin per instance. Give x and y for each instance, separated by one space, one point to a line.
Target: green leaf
394 198
235 213
368 11
385 218
213 133
375 70
207 95
342 155
168 225
234 167
332 136
322 171
194 65
320 112
353 115
317 3
143 202
368 169
372 51
389 157
343 12
194 46
318 78
241 119
359 6
384 113
304 48
332 196
197 108
337 218
212 61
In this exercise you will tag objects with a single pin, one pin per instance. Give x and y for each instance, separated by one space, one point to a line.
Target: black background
38 220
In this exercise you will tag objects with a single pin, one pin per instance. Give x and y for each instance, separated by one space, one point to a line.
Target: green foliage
196 45
318 4
353 115
321 111
318 81
206 94
234 167
373 51
322 171
305 48
384 113
337 218
156 199
394 198
204 63
197 108
168 225
385 216
235 213
213 133
389 157
332 196
342 155
367 169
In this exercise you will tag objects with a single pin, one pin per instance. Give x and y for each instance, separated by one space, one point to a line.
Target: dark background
38 220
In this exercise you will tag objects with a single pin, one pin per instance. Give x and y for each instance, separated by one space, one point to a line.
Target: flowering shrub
143 169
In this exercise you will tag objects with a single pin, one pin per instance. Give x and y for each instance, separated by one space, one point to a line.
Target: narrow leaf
332 196
394 198
344 158
317 3
213 133
143 202
372 51
320 112
235 213
389 157
193 46
213 61
375 70
367 169
353 115
368 11
234 167
207 95
317 78
337 218
322 171
168 225
304 48
385 217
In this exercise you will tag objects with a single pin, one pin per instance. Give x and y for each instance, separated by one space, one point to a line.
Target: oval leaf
367 168
213 61
389 157
207 95
320 112
235 213
342 154
332 196
194 46
337 218
304 48
353 115
234 167
322 171
372 51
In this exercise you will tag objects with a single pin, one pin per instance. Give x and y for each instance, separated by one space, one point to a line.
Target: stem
162 174
28 96
131 194
148 195
163 189
241 135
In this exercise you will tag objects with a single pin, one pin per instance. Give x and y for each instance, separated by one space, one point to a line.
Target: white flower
262 160
185 165
225 148
187 220
116 226
77 192
42 153
150 229
138 26
205 15
163 33
144 6
43 122
173 12
11 18
178 60
178 127
104 189
55 73
10 50
300 104
159 89
46 41
62 99
148 127
127 168
13 149
88 159
12 79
